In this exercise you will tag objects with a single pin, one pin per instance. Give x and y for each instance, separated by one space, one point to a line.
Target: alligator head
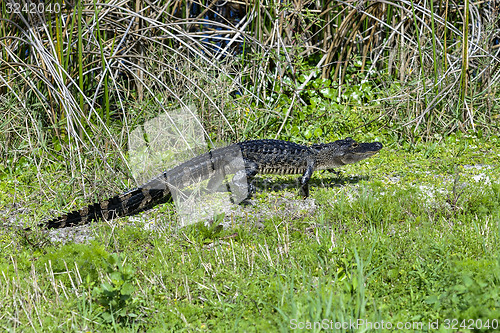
354 151
346 151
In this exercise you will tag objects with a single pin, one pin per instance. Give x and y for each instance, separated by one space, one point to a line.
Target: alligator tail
137 200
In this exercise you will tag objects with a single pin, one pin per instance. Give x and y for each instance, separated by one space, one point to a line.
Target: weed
115 297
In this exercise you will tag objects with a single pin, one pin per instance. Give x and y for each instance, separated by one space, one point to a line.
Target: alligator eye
355 145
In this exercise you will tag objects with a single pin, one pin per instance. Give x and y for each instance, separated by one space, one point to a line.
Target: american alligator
256 156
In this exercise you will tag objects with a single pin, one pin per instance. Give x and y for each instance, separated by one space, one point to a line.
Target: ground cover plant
410 235
416 242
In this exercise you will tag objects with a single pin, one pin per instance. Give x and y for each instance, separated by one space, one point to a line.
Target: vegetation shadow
270 184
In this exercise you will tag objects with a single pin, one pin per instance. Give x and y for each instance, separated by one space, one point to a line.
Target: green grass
414 238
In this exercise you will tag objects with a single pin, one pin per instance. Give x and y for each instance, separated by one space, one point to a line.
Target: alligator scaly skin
250 157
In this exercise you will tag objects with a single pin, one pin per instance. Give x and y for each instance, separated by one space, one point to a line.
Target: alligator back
276 156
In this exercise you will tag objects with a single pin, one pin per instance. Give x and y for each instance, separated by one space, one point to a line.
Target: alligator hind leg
242 183
216 183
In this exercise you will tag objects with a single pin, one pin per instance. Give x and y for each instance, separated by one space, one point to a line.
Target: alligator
255 156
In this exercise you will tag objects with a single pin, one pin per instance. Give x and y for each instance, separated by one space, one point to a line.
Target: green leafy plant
115 296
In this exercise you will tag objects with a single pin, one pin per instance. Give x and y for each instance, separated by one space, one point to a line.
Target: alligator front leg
336 172
304 181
